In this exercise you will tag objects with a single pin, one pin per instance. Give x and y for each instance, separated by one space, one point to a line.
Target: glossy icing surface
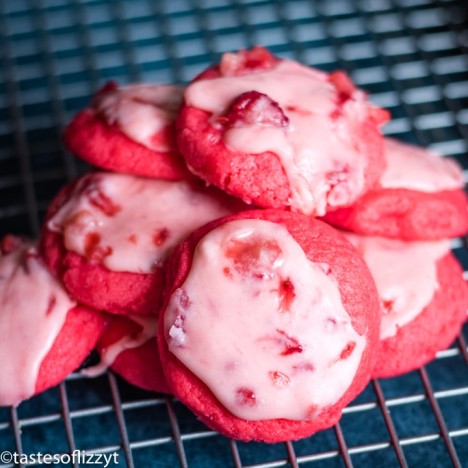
405 274
142 112
33 309
109 354
262 326
318 148
415 168
130 223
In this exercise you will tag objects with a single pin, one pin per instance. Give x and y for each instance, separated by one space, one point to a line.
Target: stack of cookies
251 244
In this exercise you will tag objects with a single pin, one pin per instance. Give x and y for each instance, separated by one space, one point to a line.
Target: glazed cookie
278 134
107 236
129 347
420 197
424 300
131 130
269 326
44 333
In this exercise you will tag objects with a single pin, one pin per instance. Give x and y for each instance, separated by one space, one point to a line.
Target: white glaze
109 354
33 309
142 111
405 274
320 142
142 220
238 333
412 167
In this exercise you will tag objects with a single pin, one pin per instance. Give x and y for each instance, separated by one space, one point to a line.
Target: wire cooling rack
411 55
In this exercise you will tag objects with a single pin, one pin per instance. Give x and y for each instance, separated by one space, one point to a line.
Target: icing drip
109 355
142 112
405 274
33 308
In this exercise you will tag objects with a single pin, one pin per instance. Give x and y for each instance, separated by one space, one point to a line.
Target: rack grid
410 55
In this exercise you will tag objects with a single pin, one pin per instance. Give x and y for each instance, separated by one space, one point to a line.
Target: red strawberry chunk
93 249
160 236
387 306
51 304
246 61
347 351
289 344
102 202
305 366
378 115
340 190
286 294
254 108
279 379
184 299
254 258
343 85
246 397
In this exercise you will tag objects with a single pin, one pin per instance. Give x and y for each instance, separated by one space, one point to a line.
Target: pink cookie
269 326
420 197
45 335
107 236
129 348
130 129
279 134
424 300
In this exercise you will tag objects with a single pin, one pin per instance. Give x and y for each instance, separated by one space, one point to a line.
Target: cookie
424 300
45 333
279 134
420 197
131 130
129 347
107 236
269 325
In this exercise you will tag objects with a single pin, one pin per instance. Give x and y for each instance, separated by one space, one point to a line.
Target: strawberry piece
343 85
160 236
387 306
184 299
51 304
338 180
246 397
279 379
286 294
348 349
287 344
379 115
254 258
247 61
93 250
290 344
305 366
346 89
254 108
102 202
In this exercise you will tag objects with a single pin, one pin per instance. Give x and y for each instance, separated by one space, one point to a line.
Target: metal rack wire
411 55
